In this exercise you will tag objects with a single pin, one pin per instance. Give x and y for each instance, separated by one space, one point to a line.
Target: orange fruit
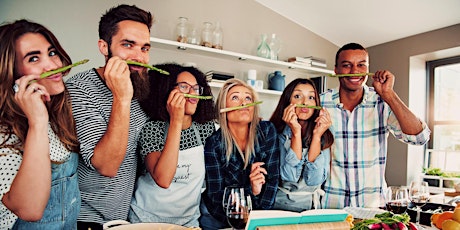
447 215
450 225
456 215
434 217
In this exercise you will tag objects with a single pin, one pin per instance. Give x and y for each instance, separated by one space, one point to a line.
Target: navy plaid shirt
219 174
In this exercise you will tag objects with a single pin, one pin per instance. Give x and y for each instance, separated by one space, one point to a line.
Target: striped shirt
359 153
103 198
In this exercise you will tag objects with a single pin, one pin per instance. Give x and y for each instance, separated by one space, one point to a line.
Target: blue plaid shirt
359 152
219 174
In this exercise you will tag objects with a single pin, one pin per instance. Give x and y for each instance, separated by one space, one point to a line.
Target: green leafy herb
351 75
147 66
308 106
197 96
62 69
387 218
239 107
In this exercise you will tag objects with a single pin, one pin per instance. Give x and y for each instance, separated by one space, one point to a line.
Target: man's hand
383 84
116 76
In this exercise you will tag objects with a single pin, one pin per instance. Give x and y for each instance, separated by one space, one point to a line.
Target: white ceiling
368 22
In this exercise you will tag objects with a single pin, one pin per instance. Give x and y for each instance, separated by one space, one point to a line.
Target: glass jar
193 37
206 34
181 30
217 37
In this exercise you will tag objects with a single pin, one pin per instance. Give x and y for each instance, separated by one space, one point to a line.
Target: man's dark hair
349 46
108 25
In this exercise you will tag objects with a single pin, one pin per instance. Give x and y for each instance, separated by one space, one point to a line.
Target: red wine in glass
396 207
237 220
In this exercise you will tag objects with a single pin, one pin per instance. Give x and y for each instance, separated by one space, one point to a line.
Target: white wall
243 21
406 58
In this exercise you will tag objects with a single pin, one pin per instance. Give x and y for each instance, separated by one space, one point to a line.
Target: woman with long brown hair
38 143
305 140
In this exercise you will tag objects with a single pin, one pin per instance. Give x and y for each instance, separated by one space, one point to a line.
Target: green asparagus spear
197 96
308 106
239 107
147 66
351 75
62 69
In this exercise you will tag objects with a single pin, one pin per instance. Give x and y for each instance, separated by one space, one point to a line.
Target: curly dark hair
161 85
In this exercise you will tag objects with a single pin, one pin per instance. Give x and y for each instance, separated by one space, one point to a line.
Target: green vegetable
351 75
387 218
147 66
197 96
62 69
308 106
239 107
433 171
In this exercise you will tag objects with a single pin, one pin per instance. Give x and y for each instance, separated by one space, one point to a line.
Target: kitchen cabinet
184 49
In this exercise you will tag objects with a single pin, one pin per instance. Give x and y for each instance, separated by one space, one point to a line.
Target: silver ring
15 88
39 91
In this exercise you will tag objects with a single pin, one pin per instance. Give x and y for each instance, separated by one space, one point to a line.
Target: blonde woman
244 152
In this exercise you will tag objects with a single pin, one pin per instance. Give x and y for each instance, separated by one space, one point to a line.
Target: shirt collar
336 97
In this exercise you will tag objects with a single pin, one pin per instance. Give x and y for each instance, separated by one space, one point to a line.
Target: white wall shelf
229 55
217 84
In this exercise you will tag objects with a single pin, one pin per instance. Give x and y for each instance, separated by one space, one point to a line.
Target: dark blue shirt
220 174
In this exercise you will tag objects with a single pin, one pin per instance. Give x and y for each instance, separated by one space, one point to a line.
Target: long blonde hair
229 139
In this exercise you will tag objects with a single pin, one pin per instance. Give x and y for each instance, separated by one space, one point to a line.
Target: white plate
363 213
149 226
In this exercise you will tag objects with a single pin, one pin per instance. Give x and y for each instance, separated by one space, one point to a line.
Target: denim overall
63 206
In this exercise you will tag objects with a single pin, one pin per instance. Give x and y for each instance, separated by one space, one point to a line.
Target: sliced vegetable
62 69
308 106
351 75
197 96
147 66
402 226
375 226
239 107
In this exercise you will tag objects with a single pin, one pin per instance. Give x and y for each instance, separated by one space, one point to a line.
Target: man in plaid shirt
362 118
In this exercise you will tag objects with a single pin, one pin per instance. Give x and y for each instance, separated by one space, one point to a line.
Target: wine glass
419 194
227 191
238 208
397 199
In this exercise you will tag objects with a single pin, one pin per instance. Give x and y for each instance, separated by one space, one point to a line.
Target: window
444 114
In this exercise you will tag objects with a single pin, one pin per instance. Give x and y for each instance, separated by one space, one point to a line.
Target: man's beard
141 84
140 81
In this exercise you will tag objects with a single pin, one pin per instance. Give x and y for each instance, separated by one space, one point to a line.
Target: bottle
263 50
193 37
252 77
206 34
217 37
181 30
275 46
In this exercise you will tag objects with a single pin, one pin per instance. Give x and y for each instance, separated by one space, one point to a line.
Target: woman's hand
290 117
323 122
31 99
176 105
257 177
